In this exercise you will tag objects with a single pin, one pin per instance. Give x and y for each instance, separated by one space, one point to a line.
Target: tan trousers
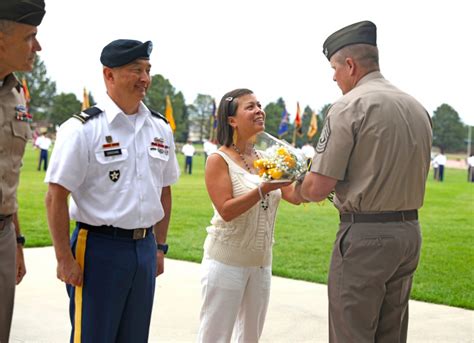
370 280
234 299
7 276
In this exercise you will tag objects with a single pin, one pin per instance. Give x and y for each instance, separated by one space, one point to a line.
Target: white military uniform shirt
188 150
115 170
43 142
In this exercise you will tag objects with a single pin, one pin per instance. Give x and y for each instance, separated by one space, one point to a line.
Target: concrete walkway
297 312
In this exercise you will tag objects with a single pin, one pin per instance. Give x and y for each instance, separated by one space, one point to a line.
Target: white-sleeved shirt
188 150
440 159
43 142
470 161
115 170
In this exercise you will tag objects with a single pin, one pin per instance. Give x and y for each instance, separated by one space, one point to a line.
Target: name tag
113 152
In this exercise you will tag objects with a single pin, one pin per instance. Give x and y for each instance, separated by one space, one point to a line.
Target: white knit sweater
246 240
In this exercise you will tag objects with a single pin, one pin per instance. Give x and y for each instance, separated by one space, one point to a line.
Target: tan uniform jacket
376 141
14 134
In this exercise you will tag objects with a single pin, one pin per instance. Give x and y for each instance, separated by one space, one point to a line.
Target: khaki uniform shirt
14 134
376 142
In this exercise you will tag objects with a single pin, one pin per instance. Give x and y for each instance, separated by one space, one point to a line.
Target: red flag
26 91
298 124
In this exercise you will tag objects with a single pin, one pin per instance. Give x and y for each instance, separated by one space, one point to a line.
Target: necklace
237 150
263 198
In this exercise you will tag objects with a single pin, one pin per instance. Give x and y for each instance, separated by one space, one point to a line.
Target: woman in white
238 249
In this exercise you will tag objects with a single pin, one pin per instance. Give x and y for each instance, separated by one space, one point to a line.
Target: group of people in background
115 162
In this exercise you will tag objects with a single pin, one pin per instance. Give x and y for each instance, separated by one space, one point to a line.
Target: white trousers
234 299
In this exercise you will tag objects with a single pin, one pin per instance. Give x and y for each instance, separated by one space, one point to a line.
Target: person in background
440 160
435 165
188 150
19 20
374 152
43 142
117 160
470 168
236 267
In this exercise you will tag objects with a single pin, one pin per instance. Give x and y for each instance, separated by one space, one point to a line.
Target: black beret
364 32
123 51
30 12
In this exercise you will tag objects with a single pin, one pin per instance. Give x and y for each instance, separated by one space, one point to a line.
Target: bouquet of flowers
279 162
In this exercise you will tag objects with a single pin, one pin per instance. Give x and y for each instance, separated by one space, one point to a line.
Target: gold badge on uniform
111 148
324 138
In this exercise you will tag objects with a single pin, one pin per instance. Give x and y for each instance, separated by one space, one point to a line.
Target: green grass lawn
304 235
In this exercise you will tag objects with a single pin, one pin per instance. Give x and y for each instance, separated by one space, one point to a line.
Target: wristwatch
162 247
21 240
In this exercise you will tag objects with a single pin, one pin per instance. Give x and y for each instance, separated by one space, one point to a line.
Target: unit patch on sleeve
324 138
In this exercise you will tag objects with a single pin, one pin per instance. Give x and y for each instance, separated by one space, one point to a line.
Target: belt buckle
139 234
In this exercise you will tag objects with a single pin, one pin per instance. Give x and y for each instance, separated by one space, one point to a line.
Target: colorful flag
25 116
283 128
214 114
26 91
313 126
85 100
298 122
169 113
213 126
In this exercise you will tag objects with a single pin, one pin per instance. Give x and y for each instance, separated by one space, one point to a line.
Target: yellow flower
258 163
290 161
282 151
275 173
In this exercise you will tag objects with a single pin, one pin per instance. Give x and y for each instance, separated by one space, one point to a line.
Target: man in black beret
117 160
374 152
18 47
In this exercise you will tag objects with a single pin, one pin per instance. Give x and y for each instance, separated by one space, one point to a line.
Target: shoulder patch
159 115
87 114
324 138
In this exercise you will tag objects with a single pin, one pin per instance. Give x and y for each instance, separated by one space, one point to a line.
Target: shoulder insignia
87 114
324 137
159 115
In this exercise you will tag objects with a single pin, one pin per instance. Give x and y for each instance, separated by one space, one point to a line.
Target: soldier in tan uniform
18 46
374 152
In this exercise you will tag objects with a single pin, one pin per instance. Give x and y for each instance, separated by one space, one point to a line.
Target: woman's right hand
267 187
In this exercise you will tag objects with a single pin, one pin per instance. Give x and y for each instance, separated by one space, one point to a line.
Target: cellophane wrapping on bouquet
279 161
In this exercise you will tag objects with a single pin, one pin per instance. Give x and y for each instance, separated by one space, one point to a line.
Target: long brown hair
227 108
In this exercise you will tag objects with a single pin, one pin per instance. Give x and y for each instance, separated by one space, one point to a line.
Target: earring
234 136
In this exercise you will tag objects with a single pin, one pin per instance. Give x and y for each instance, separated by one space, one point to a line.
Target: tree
156 100
448 130
273 113
200 113
42 90
64 106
